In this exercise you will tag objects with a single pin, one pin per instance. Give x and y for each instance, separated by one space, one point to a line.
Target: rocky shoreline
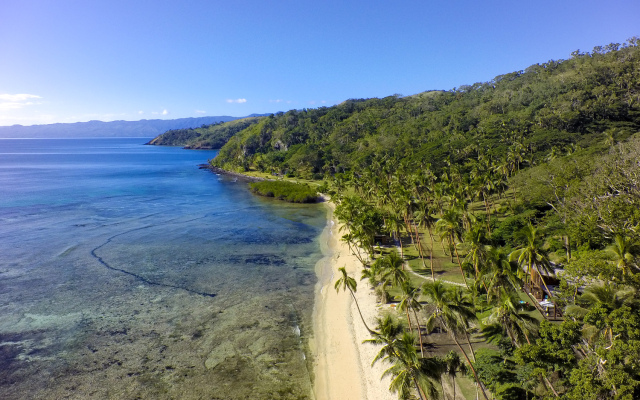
221 171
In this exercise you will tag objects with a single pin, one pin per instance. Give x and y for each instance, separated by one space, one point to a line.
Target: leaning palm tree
450 315
346 282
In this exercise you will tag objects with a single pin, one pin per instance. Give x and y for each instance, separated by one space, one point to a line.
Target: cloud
200 112
16 101
140 112
239 101
276 101
165 112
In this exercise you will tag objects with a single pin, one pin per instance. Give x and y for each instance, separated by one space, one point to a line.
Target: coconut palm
533 256
450 314
510 318
500 273
453 365
625 251
348 283
409 371
387 332
449 229
425 219
409 301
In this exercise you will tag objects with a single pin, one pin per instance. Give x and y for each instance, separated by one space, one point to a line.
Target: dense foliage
551 107
543 210
287 191
212 136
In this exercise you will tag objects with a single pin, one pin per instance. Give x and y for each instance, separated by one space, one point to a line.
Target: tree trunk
460 265
550 386
360 312
432 273
473 354
473 370
419 332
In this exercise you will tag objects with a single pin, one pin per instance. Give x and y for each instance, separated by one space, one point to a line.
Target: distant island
142 128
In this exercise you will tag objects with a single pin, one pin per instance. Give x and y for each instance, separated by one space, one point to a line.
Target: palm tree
509 317
449 228
476 239
625 251
346 282
408 371
532 255
454 365
426 220
451 315
409 300
387 332
501 273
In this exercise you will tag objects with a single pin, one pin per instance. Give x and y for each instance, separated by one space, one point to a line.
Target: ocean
128 273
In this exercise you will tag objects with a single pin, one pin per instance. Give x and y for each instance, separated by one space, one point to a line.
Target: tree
408 371
510 317
625 251
453 366
449 229
532 255
454 317
348 283
409 301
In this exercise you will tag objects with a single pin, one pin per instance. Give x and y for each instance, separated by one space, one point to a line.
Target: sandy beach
342 364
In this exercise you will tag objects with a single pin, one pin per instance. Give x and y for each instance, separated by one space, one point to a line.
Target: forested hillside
212 136
551 106
501 220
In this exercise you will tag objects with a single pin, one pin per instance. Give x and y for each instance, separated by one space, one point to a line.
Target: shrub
287 191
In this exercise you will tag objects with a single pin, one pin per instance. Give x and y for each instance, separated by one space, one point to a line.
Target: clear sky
80 60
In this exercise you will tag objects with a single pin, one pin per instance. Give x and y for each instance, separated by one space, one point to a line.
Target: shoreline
342 367
342 363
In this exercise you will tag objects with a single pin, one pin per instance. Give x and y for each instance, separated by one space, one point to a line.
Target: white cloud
165 112
239 101
140 112
200 112
16 101
18 97
276 101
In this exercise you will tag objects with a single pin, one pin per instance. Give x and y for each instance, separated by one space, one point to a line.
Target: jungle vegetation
212 136
483 229
489 192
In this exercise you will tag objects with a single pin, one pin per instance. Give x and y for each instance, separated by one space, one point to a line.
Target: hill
212 136
552 106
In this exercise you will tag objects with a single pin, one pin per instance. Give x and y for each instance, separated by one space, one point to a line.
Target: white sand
342 362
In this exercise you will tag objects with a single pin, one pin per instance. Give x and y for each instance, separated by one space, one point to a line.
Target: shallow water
126 272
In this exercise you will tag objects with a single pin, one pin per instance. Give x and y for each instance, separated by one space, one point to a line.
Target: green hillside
501 219
212 136
548 106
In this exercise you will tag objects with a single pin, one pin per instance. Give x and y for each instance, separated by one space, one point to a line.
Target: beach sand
342 363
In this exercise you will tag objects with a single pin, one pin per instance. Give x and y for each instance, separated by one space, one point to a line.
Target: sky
79 60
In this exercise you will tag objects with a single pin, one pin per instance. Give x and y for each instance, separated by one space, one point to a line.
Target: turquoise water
126 272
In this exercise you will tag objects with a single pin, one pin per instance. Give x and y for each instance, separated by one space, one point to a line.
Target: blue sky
79 60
